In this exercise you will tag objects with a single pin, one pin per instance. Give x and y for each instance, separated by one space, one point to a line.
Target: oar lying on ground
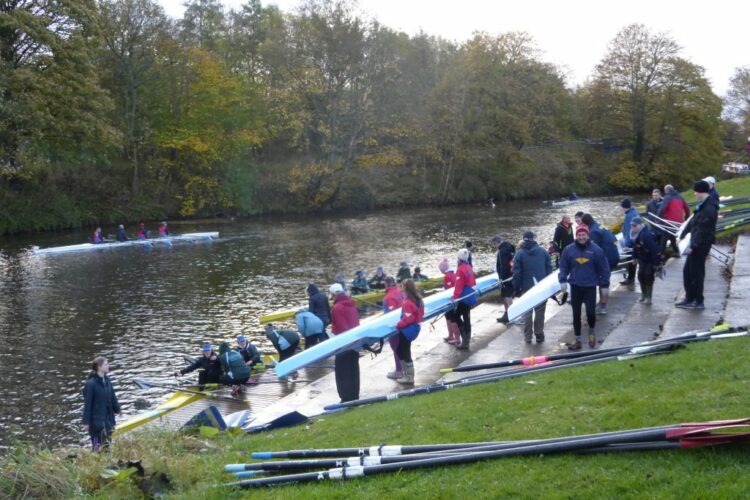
144 384
684 435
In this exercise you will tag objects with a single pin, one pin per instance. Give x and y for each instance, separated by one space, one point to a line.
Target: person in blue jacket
99 405
583 267
318 304
607 242
646 251
310 327
285 342
630 214
531 264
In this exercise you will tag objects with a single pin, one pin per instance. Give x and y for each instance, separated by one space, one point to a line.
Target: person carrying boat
418 276
377 282
359 283
235 371
310 327
100 405
141 233
97 236
449 281
344 316
712 192
249 352
629 213
404 273
394 299
464 297
583 267
563 234
675 209
121 234
607 242
646 252
208 363
531 265
163 229
503 266
408 328
317 304
702 229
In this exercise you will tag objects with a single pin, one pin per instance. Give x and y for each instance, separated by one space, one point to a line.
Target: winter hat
269 330
444 265
463 255
417 269
579 214
582 229
207 347
626 203
701 187
637 221
379 269
241 339
312 289
336 289
496 239
390 281
529 236
360 274
710 179
468 244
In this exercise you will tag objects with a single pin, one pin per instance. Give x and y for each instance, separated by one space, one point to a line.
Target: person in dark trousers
249 352
712 192
121 234
344 316
629 213
464 297
503 267
235 371
608 242
99 405
285 342
318 304
208 363
404 272
675 209
394 299
310 327
702 230
377 282
563 234
646 252
530 266
652 208
583 267
470 247
408 328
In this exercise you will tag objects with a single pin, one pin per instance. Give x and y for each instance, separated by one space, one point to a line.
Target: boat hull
85 247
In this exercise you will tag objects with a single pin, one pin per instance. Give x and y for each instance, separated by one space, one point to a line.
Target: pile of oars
347 463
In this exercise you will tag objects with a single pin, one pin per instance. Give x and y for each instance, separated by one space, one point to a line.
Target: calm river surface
144 308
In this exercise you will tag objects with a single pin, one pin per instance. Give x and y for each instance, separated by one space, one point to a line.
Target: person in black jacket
99 405
503 266
702 229
250 353
318 305
208 362
563 234
647 252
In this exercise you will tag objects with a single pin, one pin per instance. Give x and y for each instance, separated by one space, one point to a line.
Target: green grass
706 381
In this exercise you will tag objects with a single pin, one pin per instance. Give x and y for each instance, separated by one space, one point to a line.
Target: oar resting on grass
144 384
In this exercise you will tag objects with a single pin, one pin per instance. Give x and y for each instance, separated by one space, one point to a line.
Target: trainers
574 346
699 306
592 340
394 375
503 319
601 309
685 304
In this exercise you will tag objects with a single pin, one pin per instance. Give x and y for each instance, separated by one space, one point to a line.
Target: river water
144 308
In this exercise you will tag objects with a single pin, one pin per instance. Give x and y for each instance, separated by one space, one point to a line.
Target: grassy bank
703 382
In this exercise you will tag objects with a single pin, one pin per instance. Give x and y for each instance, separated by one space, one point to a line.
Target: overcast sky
572 34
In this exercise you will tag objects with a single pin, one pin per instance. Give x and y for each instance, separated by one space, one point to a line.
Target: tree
738 97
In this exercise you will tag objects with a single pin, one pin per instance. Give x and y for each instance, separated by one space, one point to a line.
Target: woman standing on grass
408 328
99 405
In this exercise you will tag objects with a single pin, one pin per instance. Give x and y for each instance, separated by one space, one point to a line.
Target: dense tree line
111 111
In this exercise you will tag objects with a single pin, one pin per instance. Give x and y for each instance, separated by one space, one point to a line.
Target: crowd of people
141 233
584 253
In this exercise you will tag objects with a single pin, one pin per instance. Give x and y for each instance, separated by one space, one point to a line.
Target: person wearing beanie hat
377 282
582 228
318 305
464 297
630 214
236 372
503 262
418 276
208 363
344 316
249 352
583 267
310 327
394 299
563 235
712 192
646 251
449 281
403 273
607 241
531 265
359 284
702 232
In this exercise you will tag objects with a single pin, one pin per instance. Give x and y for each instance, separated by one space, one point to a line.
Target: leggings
404 348
462 317
583 295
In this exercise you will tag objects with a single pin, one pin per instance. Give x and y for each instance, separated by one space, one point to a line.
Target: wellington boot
465 338
408 377
398 372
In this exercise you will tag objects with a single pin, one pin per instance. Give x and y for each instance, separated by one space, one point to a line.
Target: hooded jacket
344 315
318 304
531 263
233 363
394 299
505 253
630 214
308 324
606 241
645 248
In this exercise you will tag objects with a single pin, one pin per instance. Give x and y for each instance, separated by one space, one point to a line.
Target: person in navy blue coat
647 251
99 405
318 305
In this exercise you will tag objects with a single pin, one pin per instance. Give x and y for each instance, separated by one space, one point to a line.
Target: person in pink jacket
412 313
394 299
464 297
449 280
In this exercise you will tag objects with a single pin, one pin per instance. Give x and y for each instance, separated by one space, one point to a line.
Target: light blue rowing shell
379 328
83 247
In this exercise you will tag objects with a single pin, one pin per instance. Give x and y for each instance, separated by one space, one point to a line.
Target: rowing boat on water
565 203
362 299
167 240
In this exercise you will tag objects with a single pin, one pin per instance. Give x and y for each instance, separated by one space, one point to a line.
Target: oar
529 361
286 420
143 384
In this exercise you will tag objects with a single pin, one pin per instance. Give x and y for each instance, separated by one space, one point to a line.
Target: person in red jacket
344 316
449 280
673 208
464 297
394 299
408 328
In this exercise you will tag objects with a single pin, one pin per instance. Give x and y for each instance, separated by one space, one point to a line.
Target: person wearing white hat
712 192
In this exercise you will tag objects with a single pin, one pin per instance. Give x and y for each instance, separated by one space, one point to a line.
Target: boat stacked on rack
166 240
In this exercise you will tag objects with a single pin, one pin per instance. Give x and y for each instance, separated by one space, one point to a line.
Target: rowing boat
175 402
378 328
368 298
167 240
565 203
